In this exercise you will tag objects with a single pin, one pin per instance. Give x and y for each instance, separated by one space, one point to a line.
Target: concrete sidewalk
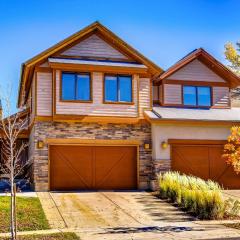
143 233
20 194
38 232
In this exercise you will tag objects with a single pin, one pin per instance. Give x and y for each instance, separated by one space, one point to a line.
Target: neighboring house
192 118
93 124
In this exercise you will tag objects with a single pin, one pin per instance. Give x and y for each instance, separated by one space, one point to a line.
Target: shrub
232 207
202 198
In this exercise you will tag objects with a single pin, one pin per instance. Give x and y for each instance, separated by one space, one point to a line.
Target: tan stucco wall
164 132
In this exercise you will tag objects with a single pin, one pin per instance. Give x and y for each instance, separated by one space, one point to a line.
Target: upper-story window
196 96
76 87
118 89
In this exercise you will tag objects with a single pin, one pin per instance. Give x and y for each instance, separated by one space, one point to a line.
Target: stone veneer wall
158 166
161 166
44 130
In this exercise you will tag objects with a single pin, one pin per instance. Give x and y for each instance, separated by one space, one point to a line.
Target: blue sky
163 31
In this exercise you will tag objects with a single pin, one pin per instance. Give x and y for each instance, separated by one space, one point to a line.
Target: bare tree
12 162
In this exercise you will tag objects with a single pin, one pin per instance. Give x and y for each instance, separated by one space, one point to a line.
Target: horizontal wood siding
221 97
94 46
172 94
144 94
44 94
97 107
196 71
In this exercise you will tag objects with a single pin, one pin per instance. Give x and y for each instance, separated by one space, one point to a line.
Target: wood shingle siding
221 97
94 46
44 94
195 71
172 94
97 107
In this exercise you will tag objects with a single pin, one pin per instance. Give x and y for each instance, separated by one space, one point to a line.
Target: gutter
188 121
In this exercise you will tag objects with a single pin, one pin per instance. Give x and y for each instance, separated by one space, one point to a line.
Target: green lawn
30 215
56 236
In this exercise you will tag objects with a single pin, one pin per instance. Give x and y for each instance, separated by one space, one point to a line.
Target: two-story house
103 116
192 116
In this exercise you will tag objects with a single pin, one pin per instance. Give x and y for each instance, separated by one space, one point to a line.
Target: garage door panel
191 160
229 178
116 169
217 165
93 167
220 171
204 161
71 167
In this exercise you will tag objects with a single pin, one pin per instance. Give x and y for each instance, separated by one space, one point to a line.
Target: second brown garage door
204 161
93 167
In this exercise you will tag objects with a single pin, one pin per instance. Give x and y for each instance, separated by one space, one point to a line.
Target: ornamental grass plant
201 198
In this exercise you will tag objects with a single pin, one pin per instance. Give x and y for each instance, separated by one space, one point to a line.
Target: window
189 95
197 96
111 89
76 86
118 88
204 96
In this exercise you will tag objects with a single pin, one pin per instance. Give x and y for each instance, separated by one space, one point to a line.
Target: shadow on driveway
152 229
160 210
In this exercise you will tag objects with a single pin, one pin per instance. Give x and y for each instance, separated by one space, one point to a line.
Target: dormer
196 81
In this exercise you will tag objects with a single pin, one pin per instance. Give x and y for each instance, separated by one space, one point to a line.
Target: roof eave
188 121
201 54
20 85
156 70
193 121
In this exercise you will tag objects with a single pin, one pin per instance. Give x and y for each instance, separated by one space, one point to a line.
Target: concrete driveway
235 194
126 215
113 209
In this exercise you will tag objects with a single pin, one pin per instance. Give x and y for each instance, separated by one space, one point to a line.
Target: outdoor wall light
40 144
147 146
164 145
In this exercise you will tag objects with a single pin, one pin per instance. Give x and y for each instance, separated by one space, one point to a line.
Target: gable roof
101 47
209 61
28 66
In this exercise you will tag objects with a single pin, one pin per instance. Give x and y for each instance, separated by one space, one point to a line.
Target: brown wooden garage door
204 161
93 167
